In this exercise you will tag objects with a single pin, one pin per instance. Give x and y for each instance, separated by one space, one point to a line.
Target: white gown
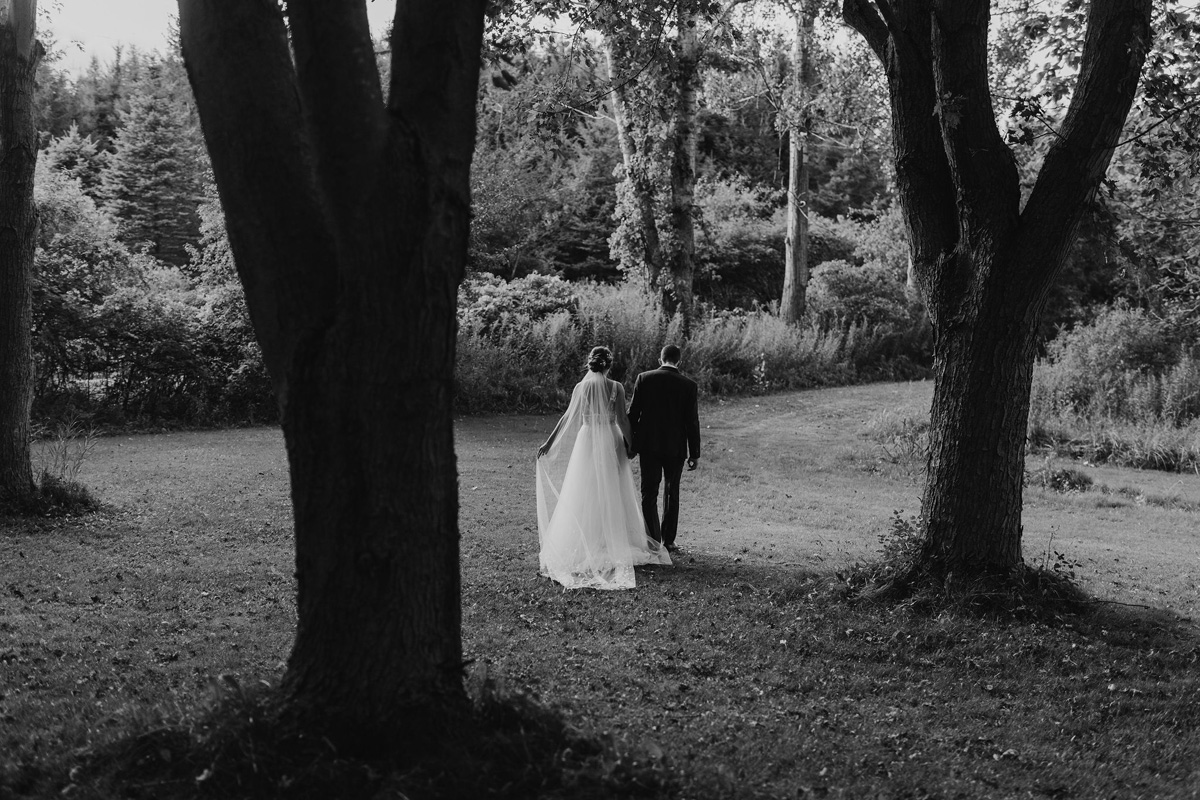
589 514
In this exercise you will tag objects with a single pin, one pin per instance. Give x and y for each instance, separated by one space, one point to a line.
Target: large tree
20 53
983 257
348 220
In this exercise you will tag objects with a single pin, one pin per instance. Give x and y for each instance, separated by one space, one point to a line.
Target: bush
740 244
123 339
840 293
488 302
1126 365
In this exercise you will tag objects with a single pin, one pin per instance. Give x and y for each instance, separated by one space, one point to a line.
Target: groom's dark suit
666 432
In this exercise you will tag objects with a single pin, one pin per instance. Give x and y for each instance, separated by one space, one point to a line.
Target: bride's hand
545 448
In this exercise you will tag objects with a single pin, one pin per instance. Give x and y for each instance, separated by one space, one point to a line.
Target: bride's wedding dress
589 516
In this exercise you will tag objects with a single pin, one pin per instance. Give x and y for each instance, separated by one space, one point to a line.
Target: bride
589 515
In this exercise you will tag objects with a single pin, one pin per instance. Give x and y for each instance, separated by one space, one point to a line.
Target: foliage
542 175
1126 365
126 340
866 295
757 352
77 156
1058 479
739 244
902 439
487 301
520 345
61 452
151 183
875 234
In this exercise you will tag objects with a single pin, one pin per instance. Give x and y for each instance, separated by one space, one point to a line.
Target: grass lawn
739 672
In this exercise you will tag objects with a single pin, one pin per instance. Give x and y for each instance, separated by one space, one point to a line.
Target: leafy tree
983 257
654 53
542 186
348 221
19 55
78 263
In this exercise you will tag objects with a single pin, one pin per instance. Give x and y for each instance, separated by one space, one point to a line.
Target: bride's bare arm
623 418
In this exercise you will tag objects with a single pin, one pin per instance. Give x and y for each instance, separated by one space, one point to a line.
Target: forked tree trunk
19 56
348 222
795 265
983 263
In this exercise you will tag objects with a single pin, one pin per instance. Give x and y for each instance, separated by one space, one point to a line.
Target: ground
737 672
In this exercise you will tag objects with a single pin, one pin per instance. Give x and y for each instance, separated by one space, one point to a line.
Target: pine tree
79 156
152 182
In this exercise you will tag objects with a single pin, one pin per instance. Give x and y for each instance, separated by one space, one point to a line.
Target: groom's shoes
672 547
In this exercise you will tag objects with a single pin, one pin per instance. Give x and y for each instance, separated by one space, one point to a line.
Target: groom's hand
691 464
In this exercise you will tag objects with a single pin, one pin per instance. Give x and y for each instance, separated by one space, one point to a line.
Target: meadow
742 671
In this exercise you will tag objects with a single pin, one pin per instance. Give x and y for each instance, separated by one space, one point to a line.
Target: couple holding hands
590 526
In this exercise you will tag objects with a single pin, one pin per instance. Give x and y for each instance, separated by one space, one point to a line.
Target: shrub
740 244
868 295
1125 365
485 300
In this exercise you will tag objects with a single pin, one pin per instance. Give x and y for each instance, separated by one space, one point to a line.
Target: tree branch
343 101
981 164
240 68
435 61
1115 45
863 17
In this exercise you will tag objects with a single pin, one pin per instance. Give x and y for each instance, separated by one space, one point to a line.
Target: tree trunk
348 222
682 251
19 56
983 371
983 263
795 268
637 180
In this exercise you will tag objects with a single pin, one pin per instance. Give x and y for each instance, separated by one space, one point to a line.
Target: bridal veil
590 522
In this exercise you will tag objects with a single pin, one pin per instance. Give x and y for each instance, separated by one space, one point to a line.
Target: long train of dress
589 516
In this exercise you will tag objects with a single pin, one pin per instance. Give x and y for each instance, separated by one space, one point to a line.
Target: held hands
691 464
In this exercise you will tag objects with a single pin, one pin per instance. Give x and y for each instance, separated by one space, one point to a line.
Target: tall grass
522 363
1124 389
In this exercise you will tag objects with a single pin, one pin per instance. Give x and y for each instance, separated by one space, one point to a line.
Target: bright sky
83 28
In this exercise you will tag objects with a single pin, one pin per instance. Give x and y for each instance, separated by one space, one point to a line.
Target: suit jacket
665 415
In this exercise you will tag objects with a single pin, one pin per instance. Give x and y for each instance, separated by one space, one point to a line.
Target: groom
666 432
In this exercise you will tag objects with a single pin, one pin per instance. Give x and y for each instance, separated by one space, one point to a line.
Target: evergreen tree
152 181
79 156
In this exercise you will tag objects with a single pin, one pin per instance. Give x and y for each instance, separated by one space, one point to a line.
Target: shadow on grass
240 747
53 497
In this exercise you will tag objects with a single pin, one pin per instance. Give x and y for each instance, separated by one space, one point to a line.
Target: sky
83 28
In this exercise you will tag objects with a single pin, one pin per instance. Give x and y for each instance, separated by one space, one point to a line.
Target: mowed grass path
738 672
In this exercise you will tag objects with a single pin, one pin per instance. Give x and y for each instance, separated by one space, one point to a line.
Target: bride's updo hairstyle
599 359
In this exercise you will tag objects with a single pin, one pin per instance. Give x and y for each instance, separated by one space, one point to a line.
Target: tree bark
20 53
983 264
637 181
682 255
348 222
795 271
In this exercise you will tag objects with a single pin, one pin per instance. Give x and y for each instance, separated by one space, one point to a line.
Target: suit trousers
658 470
